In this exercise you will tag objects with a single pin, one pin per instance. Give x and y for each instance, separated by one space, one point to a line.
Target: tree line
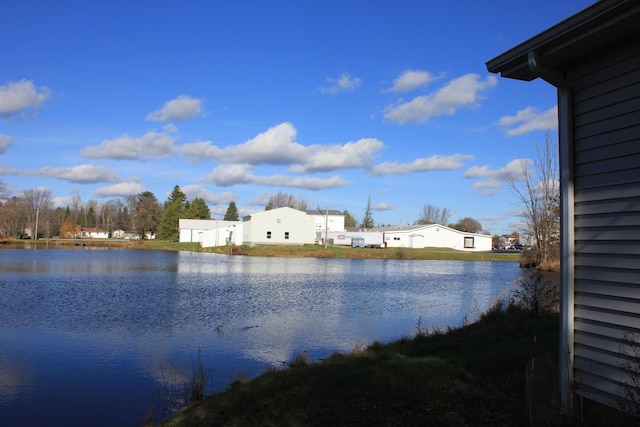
31 214
536 187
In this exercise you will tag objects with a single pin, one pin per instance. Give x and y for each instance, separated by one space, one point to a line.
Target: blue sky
332 101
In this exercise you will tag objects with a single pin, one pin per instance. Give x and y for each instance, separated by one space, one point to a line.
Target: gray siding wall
606 127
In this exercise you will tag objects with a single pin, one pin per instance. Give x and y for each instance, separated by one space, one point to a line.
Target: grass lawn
472 375
316 251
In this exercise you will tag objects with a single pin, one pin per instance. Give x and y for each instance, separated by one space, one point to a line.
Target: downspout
567 242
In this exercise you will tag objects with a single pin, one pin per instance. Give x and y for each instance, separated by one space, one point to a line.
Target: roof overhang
597 27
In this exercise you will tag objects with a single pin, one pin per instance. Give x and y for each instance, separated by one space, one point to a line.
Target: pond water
92 337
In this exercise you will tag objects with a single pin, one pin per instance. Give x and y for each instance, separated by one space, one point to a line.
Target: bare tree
537 188
434 215
76 204
36 201
280 200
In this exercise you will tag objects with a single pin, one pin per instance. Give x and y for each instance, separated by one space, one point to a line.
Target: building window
279 220
268 234
468 242
286 235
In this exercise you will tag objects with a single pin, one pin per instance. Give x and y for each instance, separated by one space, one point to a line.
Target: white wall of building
210 232
439 236
333 221
282 226
344 238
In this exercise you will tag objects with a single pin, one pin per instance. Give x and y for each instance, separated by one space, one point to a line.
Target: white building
329 220
438 236
416 236
346 238
210 232
91 233
282 226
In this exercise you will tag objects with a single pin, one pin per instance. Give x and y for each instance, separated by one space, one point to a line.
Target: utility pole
326 227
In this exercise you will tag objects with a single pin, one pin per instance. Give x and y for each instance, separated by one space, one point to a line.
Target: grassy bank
315 251
472 375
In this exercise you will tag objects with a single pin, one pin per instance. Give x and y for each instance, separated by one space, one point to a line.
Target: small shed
593 59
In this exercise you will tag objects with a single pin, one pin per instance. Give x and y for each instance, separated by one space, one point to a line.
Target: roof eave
565 37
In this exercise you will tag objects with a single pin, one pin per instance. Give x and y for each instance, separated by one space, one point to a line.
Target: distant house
91 233
121 234
282 226
593 59
210 232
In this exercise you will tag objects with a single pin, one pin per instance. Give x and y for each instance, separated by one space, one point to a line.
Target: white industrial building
415 236
210 232
282 226
356 238
327 220
288 226
438 236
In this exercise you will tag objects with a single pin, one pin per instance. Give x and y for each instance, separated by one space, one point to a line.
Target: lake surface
93 336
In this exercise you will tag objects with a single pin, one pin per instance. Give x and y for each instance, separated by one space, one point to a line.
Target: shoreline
288 251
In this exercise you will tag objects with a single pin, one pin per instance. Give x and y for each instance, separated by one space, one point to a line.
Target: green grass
472 375
319 251
315 251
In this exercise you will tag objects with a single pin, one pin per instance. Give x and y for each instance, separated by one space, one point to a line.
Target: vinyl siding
606 161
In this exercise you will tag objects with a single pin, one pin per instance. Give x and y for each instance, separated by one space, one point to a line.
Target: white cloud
228 175
344 83
18 98
122 189
150 145
182 108
323 158
494 178
81 174
411 80
5 142
383 207
277 146
530 119
193 191
308 183
463 91
424 164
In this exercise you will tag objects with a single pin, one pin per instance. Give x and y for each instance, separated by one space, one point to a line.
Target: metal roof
597 27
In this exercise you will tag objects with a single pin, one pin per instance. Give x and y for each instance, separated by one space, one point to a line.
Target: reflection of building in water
14 379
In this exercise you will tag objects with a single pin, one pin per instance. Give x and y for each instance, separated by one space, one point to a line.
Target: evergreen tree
232 213
197 209
174 209
148 212
367 221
